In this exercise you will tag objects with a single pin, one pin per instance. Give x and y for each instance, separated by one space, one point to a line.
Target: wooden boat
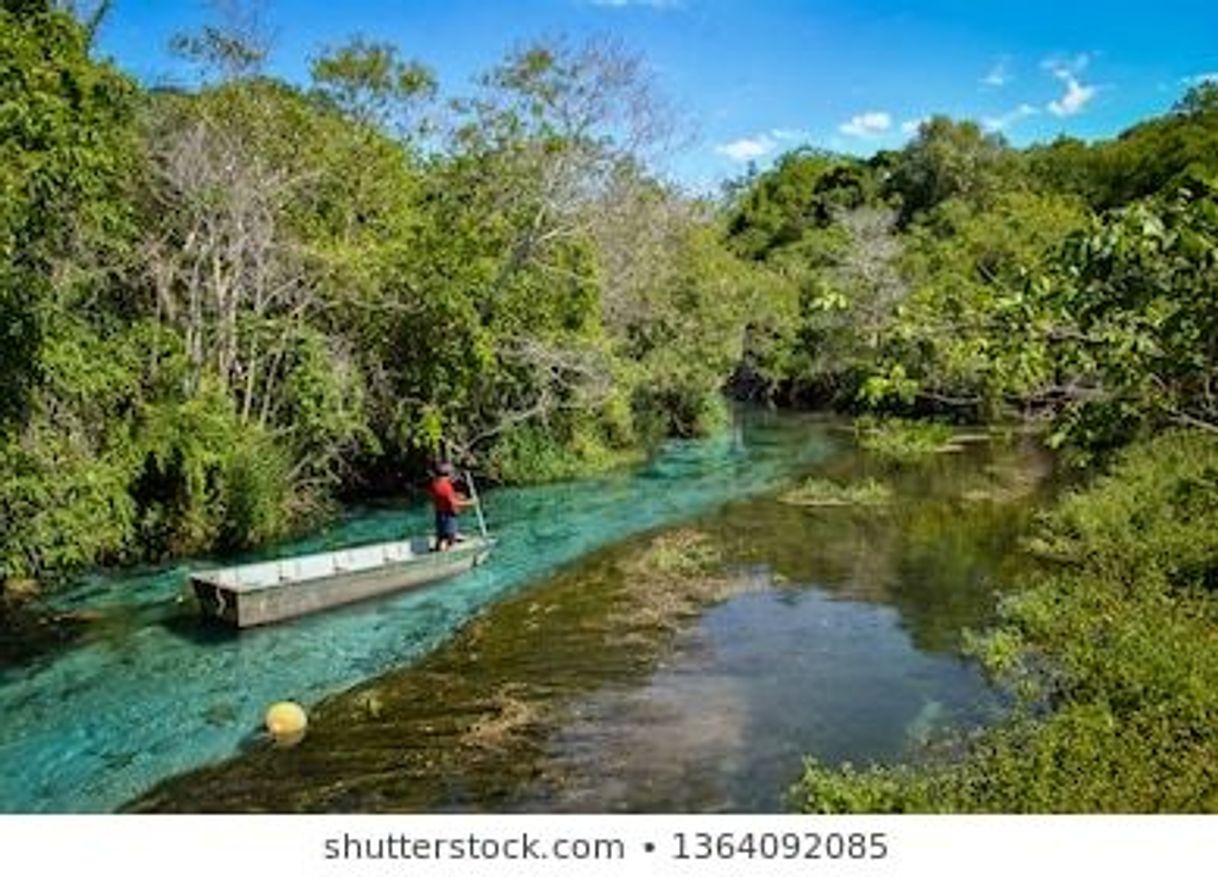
262 593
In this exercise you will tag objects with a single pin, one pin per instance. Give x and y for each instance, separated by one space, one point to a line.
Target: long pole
473 494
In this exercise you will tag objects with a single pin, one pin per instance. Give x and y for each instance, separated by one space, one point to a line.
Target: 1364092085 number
780 845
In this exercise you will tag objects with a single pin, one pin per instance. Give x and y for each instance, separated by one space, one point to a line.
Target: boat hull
270 593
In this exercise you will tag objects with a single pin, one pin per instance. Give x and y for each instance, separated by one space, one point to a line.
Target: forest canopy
228 306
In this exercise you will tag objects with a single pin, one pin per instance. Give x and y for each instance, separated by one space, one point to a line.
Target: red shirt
443 495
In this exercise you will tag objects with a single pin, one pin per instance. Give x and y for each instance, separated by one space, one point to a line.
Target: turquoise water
149 692
625 683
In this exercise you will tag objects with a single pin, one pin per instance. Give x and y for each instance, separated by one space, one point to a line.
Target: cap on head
444 468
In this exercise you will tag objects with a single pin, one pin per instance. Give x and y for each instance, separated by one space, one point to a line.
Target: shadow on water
30 633
205 631
687 669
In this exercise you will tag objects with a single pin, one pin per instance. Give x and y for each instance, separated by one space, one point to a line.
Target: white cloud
761 145
1201 79
869 124
1077 94
748 148
911 126
998 75
1006 120
1077 97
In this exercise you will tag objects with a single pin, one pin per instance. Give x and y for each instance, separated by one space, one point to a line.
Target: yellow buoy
286 722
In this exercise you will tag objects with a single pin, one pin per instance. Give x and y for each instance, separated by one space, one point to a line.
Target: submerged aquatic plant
823 492
468 723
904 441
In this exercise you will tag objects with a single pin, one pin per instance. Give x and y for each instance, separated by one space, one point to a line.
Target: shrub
255 494
536 455
59 506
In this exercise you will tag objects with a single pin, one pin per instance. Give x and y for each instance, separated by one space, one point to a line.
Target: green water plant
903 441
824 492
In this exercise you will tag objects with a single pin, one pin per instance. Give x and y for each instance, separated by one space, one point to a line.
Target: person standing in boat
448 504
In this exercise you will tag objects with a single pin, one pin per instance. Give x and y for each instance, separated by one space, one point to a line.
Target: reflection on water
830 632
146 693
844 646
763 681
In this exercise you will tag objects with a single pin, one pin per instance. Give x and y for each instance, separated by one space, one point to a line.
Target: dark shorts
446 525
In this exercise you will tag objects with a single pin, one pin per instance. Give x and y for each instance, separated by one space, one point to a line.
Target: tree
1135 296
270 212
532 157
975 332
1161 155
1199 100
235 47
369 82
945 160
67 152
805 191
1066 166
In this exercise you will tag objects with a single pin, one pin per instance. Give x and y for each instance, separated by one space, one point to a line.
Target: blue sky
756 78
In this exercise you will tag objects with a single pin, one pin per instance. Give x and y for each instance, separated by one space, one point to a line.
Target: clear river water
507 688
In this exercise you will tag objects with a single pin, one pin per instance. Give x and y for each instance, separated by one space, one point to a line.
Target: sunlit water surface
148 692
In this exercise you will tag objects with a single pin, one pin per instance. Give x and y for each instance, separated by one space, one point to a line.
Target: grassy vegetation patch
824 492
904 441
530 455
673 578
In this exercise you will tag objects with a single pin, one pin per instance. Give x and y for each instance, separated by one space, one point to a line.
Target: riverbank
1110 652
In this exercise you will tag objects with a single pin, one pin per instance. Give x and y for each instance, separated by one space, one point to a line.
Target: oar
473 494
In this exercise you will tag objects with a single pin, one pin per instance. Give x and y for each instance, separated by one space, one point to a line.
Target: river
526 684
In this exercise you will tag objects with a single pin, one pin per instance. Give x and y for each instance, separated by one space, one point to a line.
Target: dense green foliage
961 276
67 358
1109 652
903 441
224 307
